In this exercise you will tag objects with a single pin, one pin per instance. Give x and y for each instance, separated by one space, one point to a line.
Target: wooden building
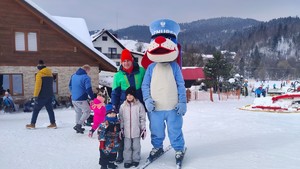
29 34
192 75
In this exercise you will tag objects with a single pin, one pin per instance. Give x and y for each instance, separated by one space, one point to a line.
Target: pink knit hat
96 101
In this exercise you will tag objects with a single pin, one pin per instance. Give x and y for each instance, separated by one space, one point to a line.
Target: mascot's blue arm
178 78
147 81
180 82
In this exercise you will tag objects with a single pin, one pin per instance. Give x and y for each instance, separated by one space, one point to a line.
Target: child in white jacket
133 127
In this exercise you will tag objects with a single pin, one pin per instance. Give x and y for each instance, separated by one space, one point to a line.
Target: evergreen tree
242 66
216 70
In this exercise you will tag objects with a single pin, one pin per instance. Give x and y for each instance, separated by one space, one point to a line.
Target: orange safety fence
210 96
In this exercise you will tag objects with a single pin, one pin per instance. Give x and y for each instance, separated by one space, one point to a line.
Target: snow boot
155 152
179 156
30 126
78 128
52 126
112 165
119 161
135 164
120 157
127 165
103 167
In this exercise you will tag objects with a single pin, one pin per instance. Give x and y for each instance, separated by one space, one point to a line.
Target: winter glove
150 105
102 144
143 134
106 152
181 108
35 100
121 134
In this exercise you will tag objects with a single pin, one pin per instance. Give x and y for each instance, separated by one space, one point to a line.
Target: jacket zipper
130 118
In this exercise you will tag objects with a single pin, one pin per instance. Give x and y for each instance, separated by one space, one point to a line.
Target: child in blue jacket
109 138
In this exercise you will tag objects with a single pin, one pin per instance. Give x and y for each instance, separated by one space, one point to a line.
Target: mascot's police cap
164 26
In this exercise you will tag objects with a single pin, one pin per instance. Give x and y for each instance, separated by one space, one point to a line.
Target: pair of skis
166 149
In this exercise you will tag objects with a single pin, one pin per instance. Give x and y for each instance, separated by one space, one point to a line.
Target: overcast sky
113 14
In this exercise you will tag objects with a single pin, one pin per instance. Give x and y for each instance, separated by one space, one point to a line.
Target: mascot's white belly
163 87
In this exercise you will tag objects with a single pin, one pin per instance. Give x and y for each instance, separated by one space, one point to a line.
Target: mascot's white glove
150 105
181 108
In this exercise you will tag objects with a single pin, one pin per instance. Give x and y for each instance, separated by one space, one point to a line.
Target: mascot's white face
162 49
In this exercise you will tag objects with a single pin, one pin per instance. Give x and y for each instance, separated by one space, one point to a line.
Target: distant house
110 45
28 34
191 75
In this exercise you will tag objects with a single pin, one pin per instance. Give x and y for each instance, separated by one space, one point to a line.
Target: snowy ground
218 136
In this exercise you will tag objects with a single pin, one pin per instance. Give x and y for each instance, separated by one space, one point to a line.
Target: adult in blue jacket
80 87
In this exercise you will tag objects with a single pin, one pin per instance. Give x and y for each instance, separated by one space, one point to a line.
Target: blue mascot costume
163 88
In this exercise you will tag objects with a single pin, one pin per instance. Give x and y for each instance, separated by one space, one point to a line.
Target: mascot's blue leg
157 128
174 125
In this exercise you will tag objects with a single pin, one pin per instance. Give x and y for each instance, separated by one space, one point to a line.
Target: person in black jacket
43 94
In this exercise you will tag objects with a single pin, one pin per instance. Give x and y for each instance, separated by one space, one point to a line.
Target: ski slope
218 136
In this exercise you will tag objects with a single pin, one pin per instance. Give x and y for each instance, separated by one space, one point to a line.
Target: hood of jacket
45 72
80 71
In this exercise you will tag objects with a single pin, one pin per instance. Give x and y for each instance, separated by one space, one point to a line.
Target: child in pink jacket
98 106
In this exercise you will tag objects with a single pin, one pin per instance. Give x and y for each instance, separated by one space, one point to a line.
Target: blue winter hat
109 108
164 26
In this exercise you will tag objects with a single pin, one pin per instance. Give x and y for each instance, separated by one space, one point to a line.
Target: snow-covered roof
97 34
193 73
124 44
207 56
76 27
131 45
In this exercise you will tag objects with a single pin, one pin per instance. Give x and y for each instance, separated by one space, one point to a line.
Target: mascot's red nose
160 39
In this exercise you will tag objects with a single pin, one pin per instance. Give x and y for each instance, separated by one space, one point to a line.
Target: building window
104 38
99 49
26 41
112 50
13 82
112 53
